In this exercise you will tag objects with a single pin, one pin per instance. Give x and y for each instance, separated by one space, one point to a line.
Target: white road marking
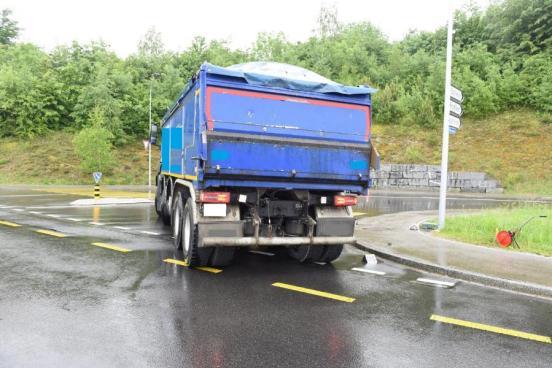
35 212
439 283
97 223
18 209
262 253
121 227
53 215
149 232
74 219
320 263
366 270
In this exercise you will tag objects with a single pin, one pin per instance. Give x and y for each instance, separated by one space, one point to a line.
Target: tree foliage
8 28
502 60
93 144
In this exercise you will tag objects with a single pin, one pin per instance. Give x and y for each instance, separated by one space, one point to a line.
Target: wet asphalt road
65 302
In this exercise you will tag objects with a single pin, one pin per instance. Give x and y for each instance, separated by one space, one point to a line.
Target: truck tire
159 197
331 252
165 206
306 253
177 222
222 256
192 254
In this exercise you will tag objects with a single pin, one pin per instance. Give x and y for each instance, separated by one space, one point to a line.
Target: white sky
121 23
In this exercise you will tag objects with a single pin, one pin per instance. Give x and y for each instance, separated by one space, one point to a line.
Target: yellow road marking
185 264
314 292
112 247
51 233
357 214
176 262
209 269
7 223
495 329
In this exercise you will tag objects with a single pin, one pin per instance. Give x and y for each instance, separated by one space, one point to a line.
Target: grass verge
51 159
481 228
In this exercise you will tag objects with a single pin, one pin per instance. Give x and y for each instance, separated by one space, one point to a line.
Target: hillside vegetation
51 159
513 147
509 146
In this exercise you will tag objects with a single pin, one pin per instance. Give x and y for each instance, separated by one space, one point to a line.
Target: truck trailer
260 155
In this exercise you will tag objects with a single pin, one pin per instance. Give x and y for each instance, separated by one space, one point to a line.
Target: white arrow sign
454 122
97 176
456 94
456 108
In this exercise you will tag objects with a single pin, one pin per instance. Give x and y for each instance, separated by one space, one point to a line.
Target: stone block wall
428 177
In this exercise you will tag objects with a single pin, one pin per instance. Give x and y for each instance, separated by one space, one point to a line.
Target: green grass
511 147
51 159
480 228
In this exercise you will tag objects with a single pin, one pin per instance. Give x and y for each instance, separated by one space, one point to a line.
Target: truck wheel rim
187 226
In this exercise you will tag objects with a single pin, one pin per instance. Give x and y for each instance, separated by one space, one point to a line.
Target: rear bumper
286 241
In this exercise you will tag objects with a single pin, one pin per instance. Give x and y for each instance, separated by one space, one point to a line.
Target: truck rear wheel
306 253
178 210
158 198
331 252
222 256
193 255
166 203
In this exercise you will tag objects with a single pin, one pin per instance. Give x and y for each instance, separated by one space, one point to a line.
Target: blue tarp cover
271 74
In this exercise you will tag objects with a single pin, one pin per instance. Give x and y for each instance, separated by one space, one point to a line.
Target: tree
93 145
8 28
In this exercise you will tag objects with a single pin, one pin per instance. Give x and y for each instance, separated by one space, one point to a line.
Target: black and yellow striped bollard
96 191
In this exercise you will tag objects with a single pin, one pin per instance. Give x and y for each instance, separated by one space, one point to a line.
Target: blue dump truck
263 154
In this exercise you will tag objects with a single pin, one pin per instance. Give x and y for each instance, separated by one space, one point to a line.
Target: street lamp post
149 134
149 143
446 110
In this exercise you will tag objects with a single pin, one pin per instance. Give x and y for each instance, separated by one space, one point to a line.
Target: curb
497 282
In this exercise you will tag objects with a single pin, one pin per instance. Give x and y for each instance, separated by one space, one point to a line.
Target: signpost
450 93
97 177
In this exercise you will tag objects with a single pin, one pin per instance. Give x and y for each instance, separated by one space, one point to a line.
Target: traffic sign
452 130
456 109
97 176
456 95
454 122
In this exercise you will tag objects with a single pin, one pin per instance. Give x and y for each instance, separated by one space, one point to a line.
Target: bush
94 146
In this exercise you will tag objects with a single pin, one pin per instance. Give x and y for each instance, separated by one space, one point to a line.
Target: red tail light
214 197
341 201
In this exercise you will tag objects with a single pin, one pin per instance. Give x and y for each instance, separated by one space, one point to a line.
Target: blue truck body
258 158
225 131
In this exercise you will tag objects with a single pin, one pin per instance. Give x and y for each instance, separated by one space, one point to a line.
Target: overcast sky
121 23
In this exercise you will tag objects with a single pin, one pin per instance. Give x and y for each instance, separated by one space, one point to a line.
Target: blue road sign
97 176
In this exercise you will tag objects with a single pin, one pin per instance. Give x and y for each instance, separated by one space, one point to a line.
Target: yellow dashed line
498 330
11 224
112 247
185 264
314 292
51 233
209 269
176 262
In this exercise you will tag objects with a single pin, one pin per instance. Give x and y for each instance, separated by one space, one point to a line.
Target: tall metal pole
149 146
446 113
